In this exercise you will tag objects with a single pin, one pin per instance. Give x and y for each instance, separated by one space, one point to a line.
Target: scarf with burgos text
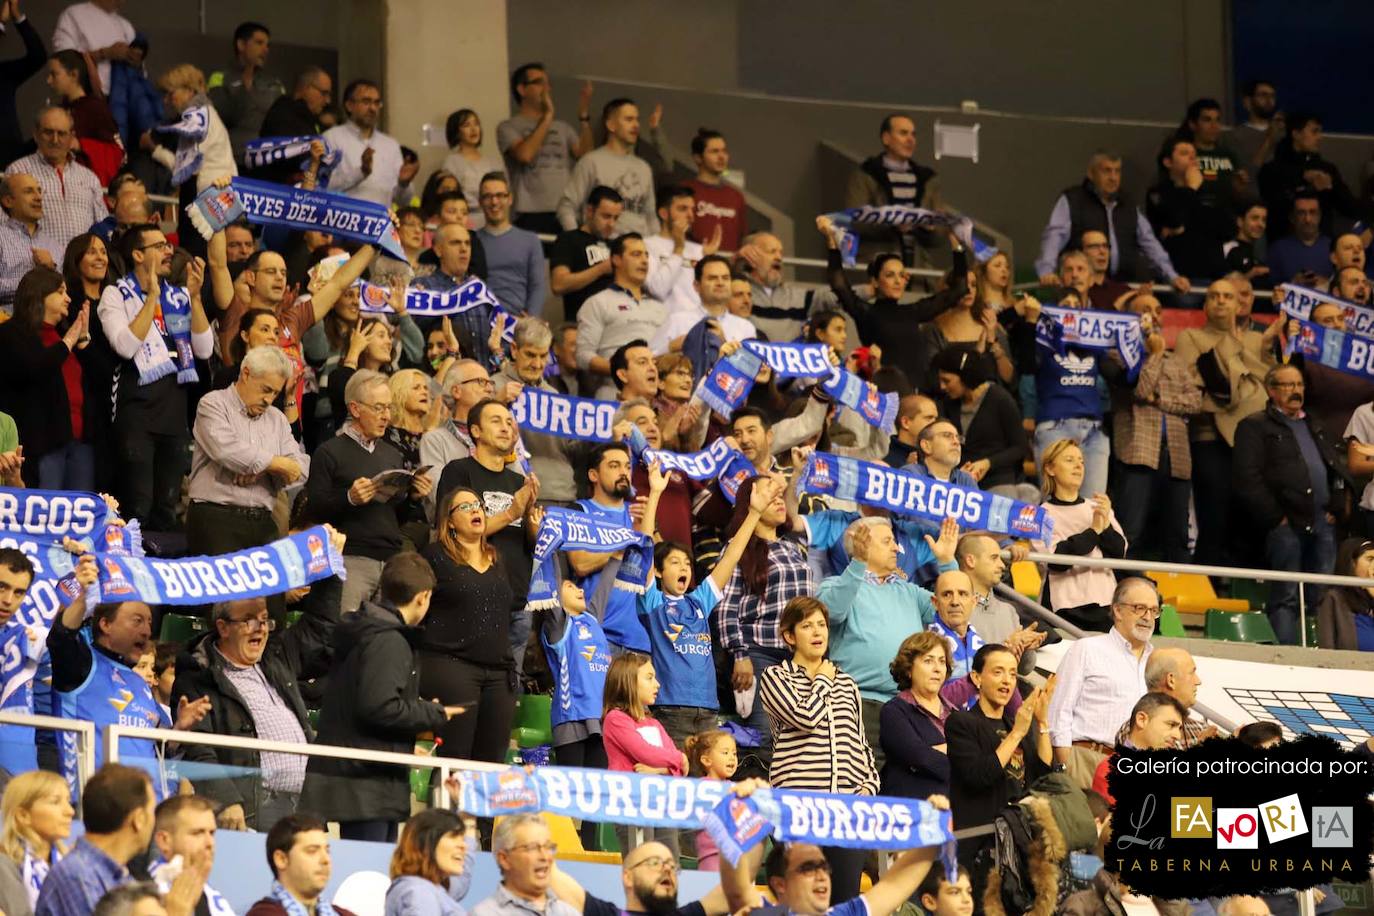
902 217
427 303
822 818
719 462
729 382
564 415
1343 351
269 204
190 129
1299 301
1088 329
266 151
568 529
905 493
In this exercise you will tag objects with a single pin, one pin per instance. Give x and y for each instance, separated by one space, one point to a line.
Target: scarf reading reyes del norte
272 204
853 821
1344 351
152 359
904 217
267 151
1299 301
568 529
425 303
192 127
1093 330
904 493
729 382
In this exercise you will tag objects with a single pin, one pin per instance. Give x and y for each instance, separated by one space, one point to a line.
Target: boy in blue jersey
93 677
21 648
678 623
608 470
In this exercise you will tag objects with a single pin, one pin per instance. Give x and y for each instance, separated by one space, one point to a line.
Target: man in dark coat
253 681
374 703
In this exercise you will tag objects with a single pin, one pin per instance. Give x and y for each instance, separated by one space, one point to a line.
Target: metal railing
85 742
1198 288
1230 572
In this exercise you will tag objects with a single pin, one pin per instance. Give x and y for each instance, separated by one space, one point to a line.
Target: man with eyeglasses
1103 291
516 269
295 115
540 150
371 163
342 489
73 197
1289 484
465 385
249 673
1100 679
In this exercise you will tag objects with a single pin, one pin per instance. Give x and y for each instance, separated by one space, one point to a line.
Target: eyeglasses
163 245
550 848
658 862
253 624
484 382
1287 386
806 869
465 507
376 408
1145 610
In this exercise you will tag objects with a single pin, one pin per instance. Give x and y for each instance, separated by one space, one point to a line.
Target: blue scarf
190 130
962 650
293 907
152 359
903 217
563 415
904 493
730 380
718 461
162 874
702 347
1346 352
290 562
568 529
1299 301
425 303
736 825
271 204
36 521
1088 329
822 818
267 151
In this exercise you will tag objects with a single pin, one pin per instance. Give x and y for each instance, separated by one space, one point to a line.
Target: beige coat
1243 359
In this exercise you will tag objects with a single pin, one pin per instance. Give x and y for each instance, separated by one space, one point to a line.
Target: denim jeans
1090 438
71 467
1287 548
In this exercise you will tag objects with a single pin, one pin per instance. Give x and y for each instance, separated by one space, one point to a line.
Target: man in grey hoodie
614 165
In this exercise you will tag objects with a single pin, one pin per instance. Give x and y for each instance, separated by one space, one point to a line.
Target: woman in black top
257 328
995 443
86 267
465 656
912 724
993 756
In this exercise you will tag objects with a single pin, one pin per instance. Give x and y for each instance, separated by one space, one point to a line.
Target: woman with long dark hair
465 655
431 869
42 383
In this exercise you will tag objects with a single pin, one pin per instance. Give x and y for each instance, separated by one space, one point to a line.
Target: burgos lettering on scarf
1299 301
563 415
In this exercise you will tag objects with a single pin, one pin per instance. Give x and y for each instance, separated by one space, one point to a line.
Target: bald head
649 876
954 600
1243 906
1173 671
22 197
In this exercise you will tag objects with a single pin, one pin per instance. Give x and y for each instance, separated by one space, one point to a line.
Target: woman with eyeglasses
431 868
465 650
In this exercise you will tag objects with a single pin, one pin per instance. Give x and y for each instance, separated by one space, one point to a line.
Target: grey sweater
627 174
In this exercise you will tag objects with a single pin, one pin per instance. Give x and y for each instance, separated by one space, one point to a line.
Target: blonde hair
401 383
1057 448
21 794
182 76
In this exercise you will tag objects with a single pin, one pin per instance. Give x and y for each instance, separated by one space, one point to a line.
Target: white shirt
347 177
680 322
1099 681
86 27
671 275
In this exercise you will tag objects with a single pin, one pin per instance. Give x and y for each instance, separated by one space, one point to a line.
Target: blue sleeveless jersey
619 620
680 644
113 694
19 659
579 662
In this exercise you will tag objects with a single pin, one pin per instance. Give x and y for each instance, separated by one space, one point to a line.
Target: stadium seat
1252 592
1025 578
1250 626
1170 624
1193 594
532 726
181 628
606 839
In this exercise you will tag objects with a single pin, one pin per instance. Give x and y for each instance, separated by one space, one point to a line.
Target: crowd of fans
861 652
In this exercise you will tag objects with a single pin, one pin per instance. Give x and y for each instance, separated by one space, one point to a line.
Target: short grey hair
503 837
267 360
868 521
623 411
451 376
120 901
1162 663
531 331
361 381
222 610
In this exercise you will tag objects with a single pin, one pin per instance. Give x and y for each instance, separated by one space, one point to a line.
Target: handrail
85 734
1197 289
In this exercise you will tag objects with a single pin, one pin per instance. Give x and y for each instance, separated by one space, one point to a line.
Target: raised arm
221 282
764 491
343 278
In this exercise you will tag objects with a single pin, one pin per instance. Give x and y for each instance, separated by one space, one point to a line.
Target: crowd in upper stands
858 652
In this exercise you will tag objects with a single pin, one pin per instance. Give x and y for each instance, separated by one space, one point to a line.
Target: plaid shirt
274 721
73 200
77 883
744 619
16 253
1166 391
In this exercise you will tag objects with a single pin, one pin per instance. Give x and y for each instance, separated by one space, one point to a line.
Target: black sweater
980 787
995 433
374 529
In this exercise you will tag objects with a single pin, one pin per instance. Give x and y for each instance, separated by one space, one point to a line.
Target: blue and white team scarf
190 130
267 151
1089 329
563 415
718 461
290 562
1299 301
822 818
163 874
736 825
568 529
271 204
35 872
904 493
293 907
903 217
152 359
729 382
1346 352
427 303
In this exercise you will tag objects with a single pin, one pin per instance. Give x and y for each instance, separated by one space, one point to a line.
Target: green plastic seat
1311 630
531 737
1257 593
1249 626
687 862
606 839
1170 624
534 710
420 776
313 717
181 628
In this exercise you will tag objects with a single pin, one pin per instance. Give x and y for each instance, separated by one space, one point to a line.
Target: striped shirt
744 619
818 732
1099 681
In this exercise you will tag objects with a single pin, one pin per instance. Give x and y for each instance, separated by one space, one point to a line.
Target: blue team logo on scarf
1345 352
